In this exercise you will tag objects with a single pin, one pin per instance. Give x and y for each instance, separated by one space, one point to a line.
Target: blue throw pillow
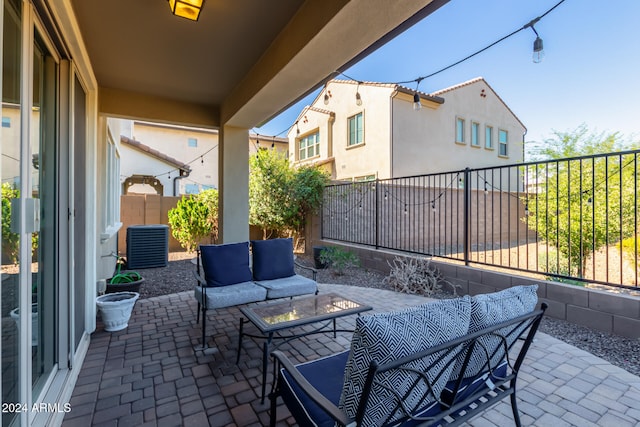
226 264
272 259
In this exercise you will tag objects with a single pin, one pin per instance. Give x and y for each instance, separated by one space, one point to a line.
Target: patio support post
233 167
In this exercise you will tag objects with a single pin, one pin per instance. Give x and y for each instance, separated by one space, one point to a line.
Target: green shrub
338 259
194 218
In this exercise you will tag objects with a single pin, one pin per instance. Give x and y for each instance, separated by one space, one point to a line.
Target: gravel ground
619 351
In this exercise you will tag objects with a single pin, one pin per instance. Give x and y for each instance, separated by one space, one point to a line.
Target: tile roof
154 153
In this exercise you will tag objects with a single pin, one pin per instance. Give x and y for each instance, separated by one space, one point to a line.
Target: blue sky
590 73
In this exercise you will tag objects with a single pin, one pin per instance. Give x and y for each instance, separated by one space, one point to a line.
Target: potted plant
115 309
124 281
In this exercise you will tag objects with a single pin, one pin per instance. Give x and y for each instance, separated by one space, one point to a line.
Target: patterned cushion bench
434 364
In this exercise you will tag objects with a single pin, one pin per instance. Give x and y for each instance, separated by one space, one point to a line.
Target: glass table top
301 311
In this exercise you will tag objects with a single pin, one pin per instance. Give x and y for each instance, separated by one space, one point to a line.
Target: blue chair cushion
288 286
226 264
326 376
230 295
387 337
272 259
469 386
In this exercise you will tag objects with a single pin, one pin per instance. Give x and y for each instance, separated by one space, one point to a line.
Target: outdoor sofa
230 279
439 363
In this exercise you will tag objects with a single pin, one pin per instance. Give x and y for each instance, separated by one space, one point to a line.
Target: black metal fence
573 219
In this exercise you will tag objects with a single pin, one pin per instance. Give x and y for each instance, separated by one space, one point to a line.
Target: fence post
377 227
324 200
467 215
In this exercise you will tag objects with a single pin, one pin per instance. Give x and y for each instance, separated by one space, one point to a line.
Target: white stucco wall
174 142
370 158
425 141
399 141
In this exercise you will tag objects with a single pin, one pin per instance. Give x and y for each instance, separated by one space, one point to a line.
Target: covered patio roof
240 64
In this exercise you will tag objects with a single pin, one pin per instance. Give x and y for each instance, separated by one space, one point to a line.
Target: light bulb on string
538 46
417 105
433 206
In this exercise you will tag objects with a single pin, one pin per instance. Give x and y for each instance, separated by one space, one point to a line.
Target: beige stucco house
363 130
171 160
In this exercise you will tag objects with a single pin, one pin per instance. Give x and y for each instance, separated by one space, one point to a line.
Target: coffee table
273 318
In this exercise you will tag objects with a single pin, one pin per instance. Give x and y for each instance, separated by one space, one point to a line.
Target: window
191 189
488 137
356 132
6 122
475 131
193 142
309 146
113 185
503 139
364 178
460 130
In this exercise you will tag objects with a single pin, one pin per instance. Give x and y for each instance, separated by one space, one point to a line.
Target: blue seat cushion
326 375
288 286
230 295
272 259
226 264
469 386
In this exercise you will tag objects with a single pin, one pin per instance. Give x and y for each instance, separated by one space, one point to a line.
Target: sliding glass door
30 181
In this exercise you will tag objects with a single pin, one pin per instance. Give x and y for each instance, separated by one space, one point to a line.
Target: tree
10 240
585 203
194 218
281 196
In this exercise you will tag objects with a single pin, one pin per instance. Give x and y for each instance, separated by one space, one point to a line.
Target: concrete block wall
605 311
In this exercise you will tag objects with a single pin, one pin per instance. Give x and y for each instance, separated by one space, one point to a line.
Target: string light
327 96
417 105
538 47
416 96
358 98
433 206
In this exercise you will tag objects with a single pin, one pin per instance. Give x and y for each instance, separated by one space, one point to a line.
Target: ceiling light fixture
189 9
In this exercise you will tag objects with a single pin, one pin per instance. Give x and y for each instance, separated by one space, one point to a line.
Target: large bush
194 218
281 196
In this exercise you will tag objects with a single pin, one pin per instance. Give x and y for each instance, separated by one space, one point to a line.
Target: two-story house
363 130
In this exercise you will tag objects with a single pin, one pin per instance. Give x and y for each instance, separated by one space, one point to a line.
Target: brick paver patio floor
150 375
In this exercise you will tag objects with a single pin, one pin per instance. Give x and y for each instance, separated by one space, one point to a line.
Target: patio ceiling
243 62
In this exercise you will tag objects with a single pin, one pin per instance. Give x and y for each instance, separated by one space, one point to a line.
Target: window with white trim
488 137
503 140
356 130
475 134
112 205
459 130
309 146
